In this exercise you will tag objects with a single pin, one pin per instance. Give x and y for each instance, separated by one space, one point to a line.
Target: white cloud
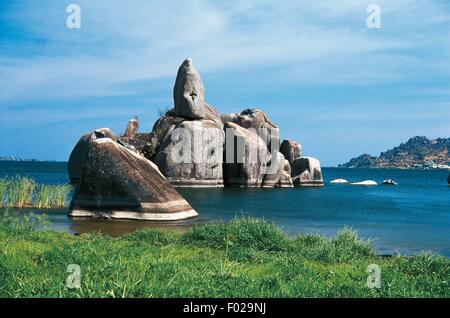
311 42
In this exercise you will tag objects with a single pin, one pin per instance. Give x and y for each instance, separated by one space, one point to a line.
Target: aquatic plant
51 196
3 191
23 192
20 192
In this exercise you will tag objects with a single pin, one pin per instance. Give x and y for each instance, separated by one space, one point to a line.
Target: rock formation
291 150
275 175
132 128
189 93
306 171
253 118
285 178
191 145
79 153
246 157
141 143
118 183
192 154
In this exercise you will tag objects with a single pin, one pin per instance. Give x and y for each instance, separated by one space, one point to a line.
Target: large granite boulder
258 120
306 171
189 93
249 118
118 183
276 175
291 150
79 152
164 126
188 140
285 178
191 153
246 157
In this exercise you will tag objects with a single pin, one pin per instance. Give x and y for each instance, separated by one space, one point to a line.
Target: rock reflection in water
117 227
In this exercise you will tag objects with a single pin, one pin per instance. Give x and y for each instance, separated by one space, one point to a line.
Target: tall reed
22 192
3 192
51 196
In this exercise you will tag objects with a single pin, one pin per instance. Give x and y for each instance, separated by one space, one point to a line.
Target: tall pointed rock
189 93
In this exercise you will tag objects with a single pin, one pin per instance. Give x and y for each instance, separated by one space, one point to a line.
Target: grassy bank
21 192
245 258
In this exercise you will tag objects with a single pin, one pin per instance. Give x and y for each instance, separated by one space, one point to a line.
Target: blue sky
314 67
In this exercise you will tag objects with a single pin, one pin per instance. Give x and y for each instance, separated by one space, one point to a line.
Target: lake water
411 217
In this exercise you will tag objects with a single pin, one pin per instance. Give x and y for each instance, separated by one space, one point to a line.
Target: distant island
12 158
15 159
417 153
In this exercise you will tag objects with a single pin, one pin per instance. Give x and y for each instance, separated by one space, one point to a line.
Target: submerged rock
389 182
306 171
189 93
339 180
79 152
448 179
118 183
365 183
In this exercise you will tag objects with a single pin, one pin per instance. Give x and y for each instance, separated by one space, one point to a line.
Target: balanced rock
118 183
306 171
189 93
79 152
291 150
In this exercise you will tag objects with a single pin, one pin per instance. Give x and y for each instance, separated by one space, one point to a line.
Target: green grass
245 258
22 192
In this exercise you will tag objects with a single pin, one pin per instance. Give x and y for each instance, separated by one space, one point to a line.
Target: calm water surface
409 218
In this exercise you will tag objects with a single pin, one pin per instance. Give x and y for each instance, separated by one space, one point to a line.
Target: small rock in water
448 179
389 182
339 180
365 183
